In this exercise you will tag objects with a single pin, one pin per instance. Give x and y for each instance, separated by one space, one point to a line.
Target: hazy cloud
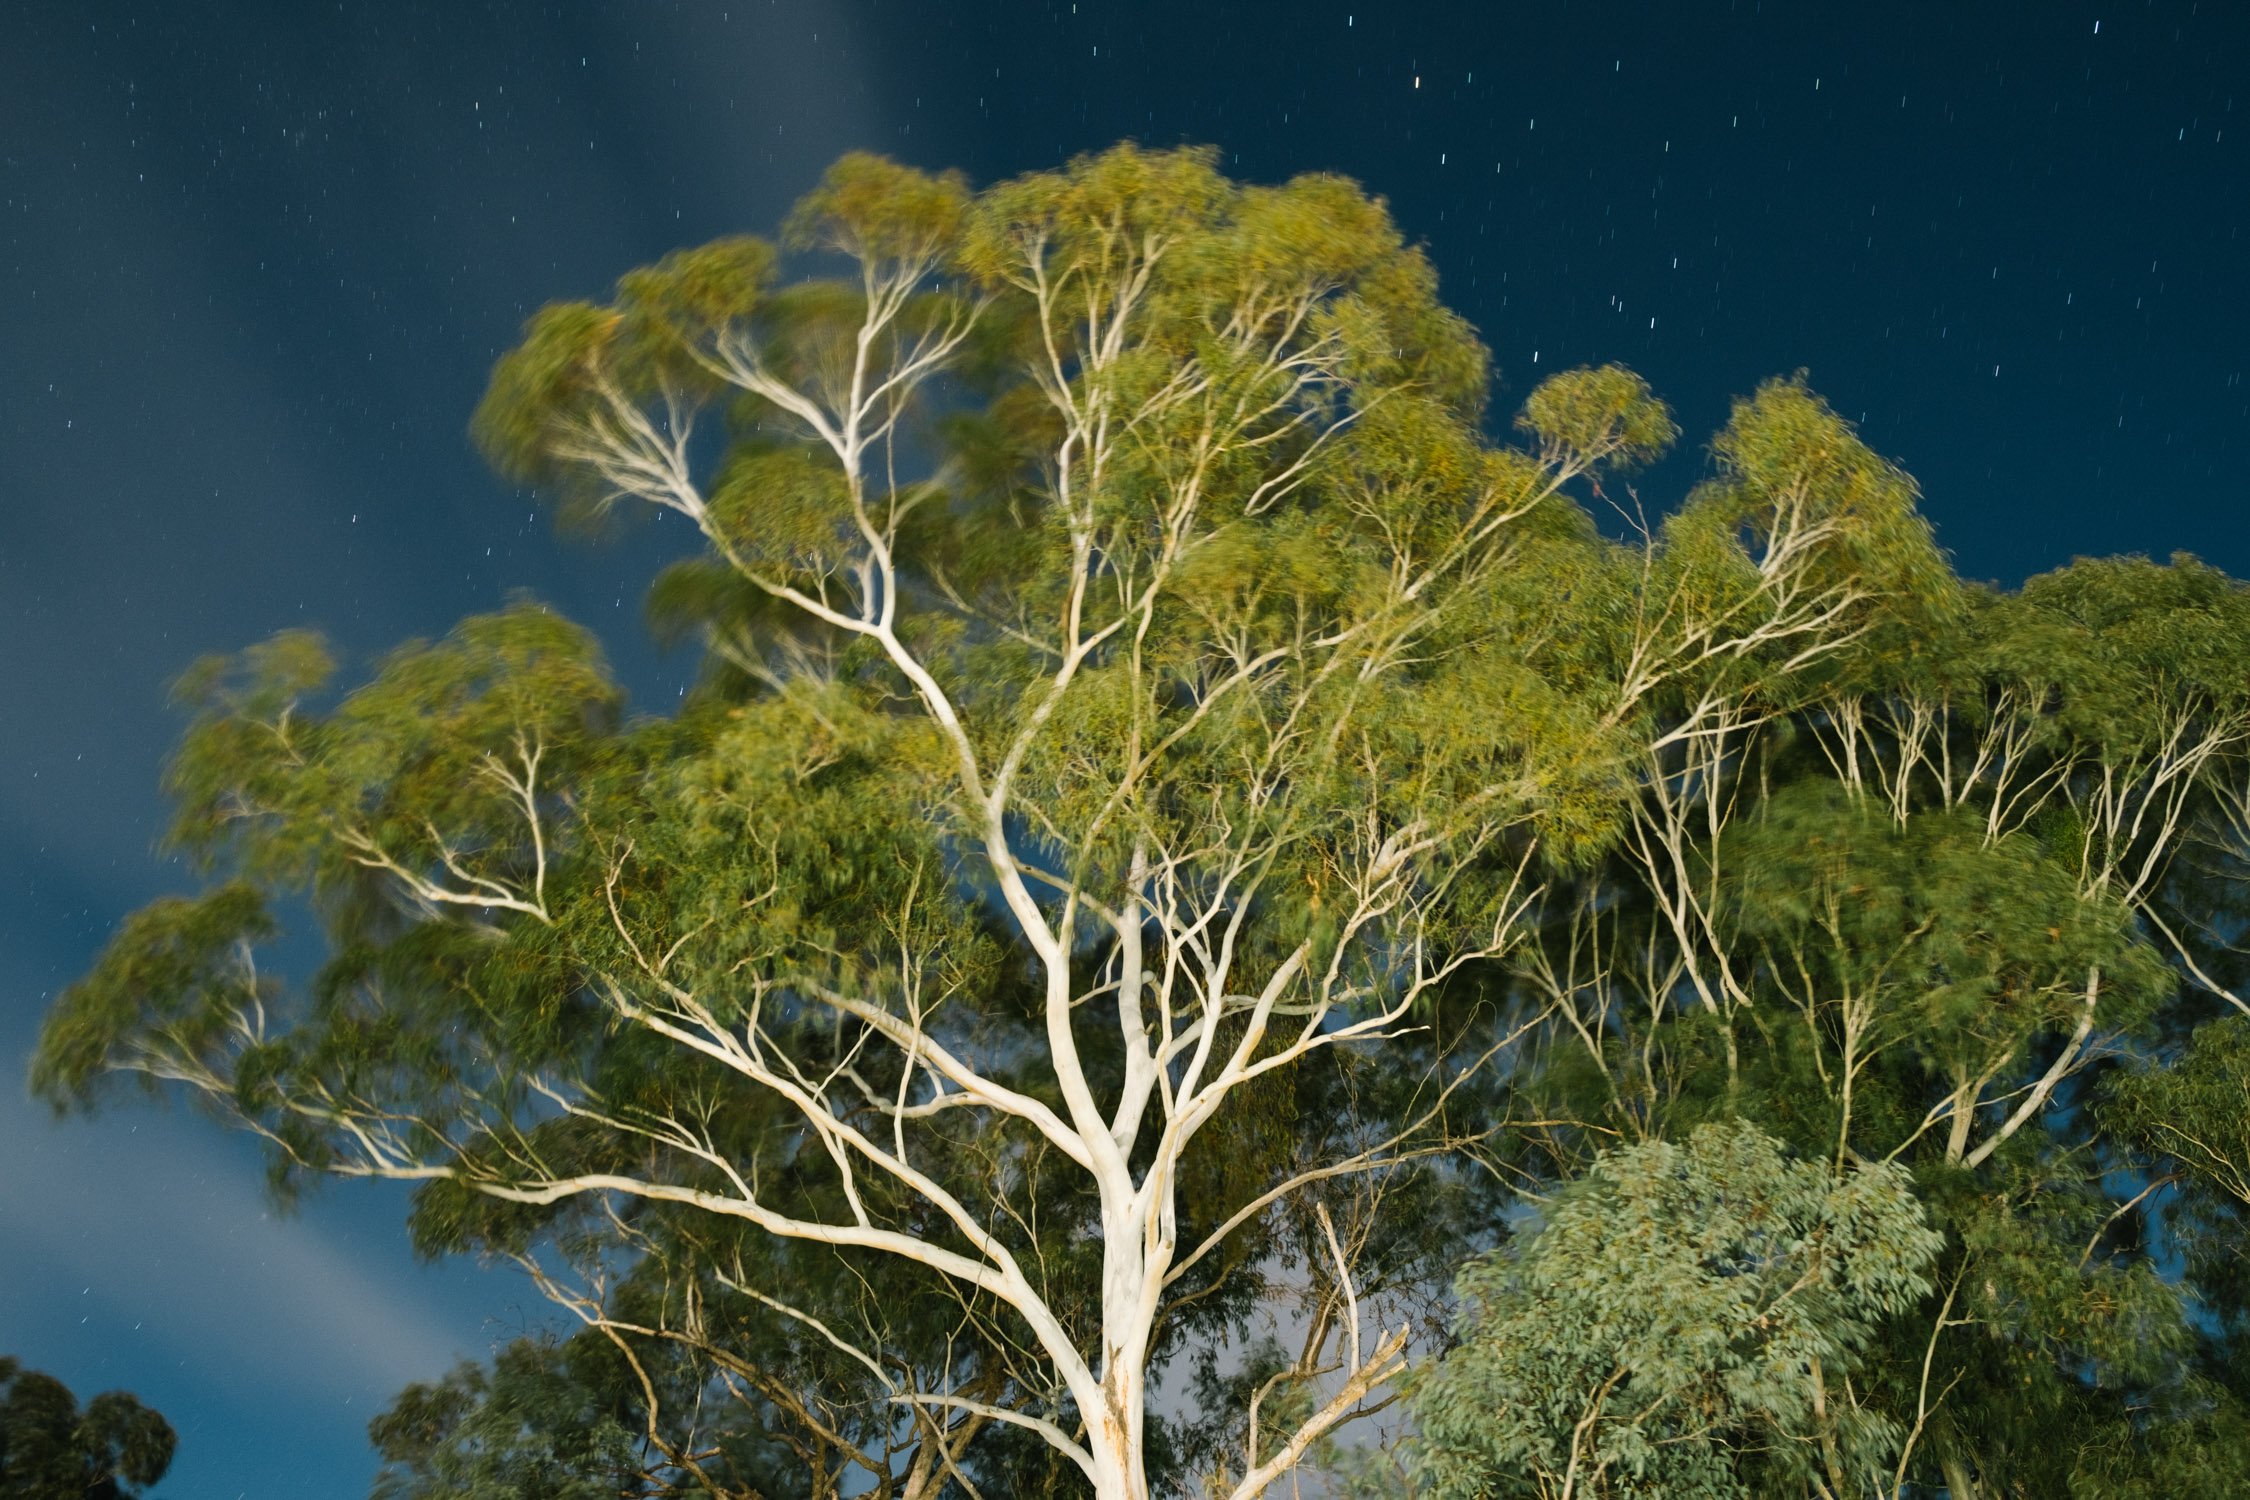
169 1234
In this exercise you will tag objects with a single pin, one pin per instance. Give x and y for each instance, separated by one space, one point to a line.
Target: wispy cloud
165 1231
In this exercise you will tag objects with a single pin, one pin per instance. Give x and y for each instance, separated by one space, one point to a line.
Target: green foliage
51 1450
176 971
873 209
1933 935
2194 1113
547 1422
1678 1308
672 306
1605 415
552 375
2122 642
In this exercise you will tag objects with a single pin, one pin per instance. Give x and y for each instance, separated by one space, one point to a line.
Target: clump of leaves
1679 1313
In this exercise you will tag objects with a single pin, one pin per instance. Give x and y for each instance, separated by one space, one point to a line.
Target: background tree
51 1450
548 1421
1906 905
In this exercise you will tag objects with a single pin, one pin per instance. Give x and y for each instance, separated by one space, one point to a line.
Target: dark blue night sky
258 259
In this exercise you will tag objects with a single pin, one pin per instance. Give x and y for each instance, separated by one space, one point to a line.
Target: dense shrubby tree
51 1450
1174 814
1676 1317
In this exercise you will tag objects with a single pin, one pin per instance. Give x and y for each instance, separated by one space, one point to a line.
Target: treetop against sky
266 261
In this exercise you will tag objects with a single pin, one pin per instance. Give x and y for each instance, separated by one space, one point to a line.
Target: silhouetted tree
51 1450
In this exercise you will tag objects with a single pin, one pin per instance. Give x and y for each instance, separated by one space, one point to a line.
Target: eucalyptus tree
1141 695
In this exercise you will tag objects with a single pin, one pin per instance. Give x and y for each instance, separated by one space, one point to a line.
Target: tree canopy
1651 1332
50 1449
1181 838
